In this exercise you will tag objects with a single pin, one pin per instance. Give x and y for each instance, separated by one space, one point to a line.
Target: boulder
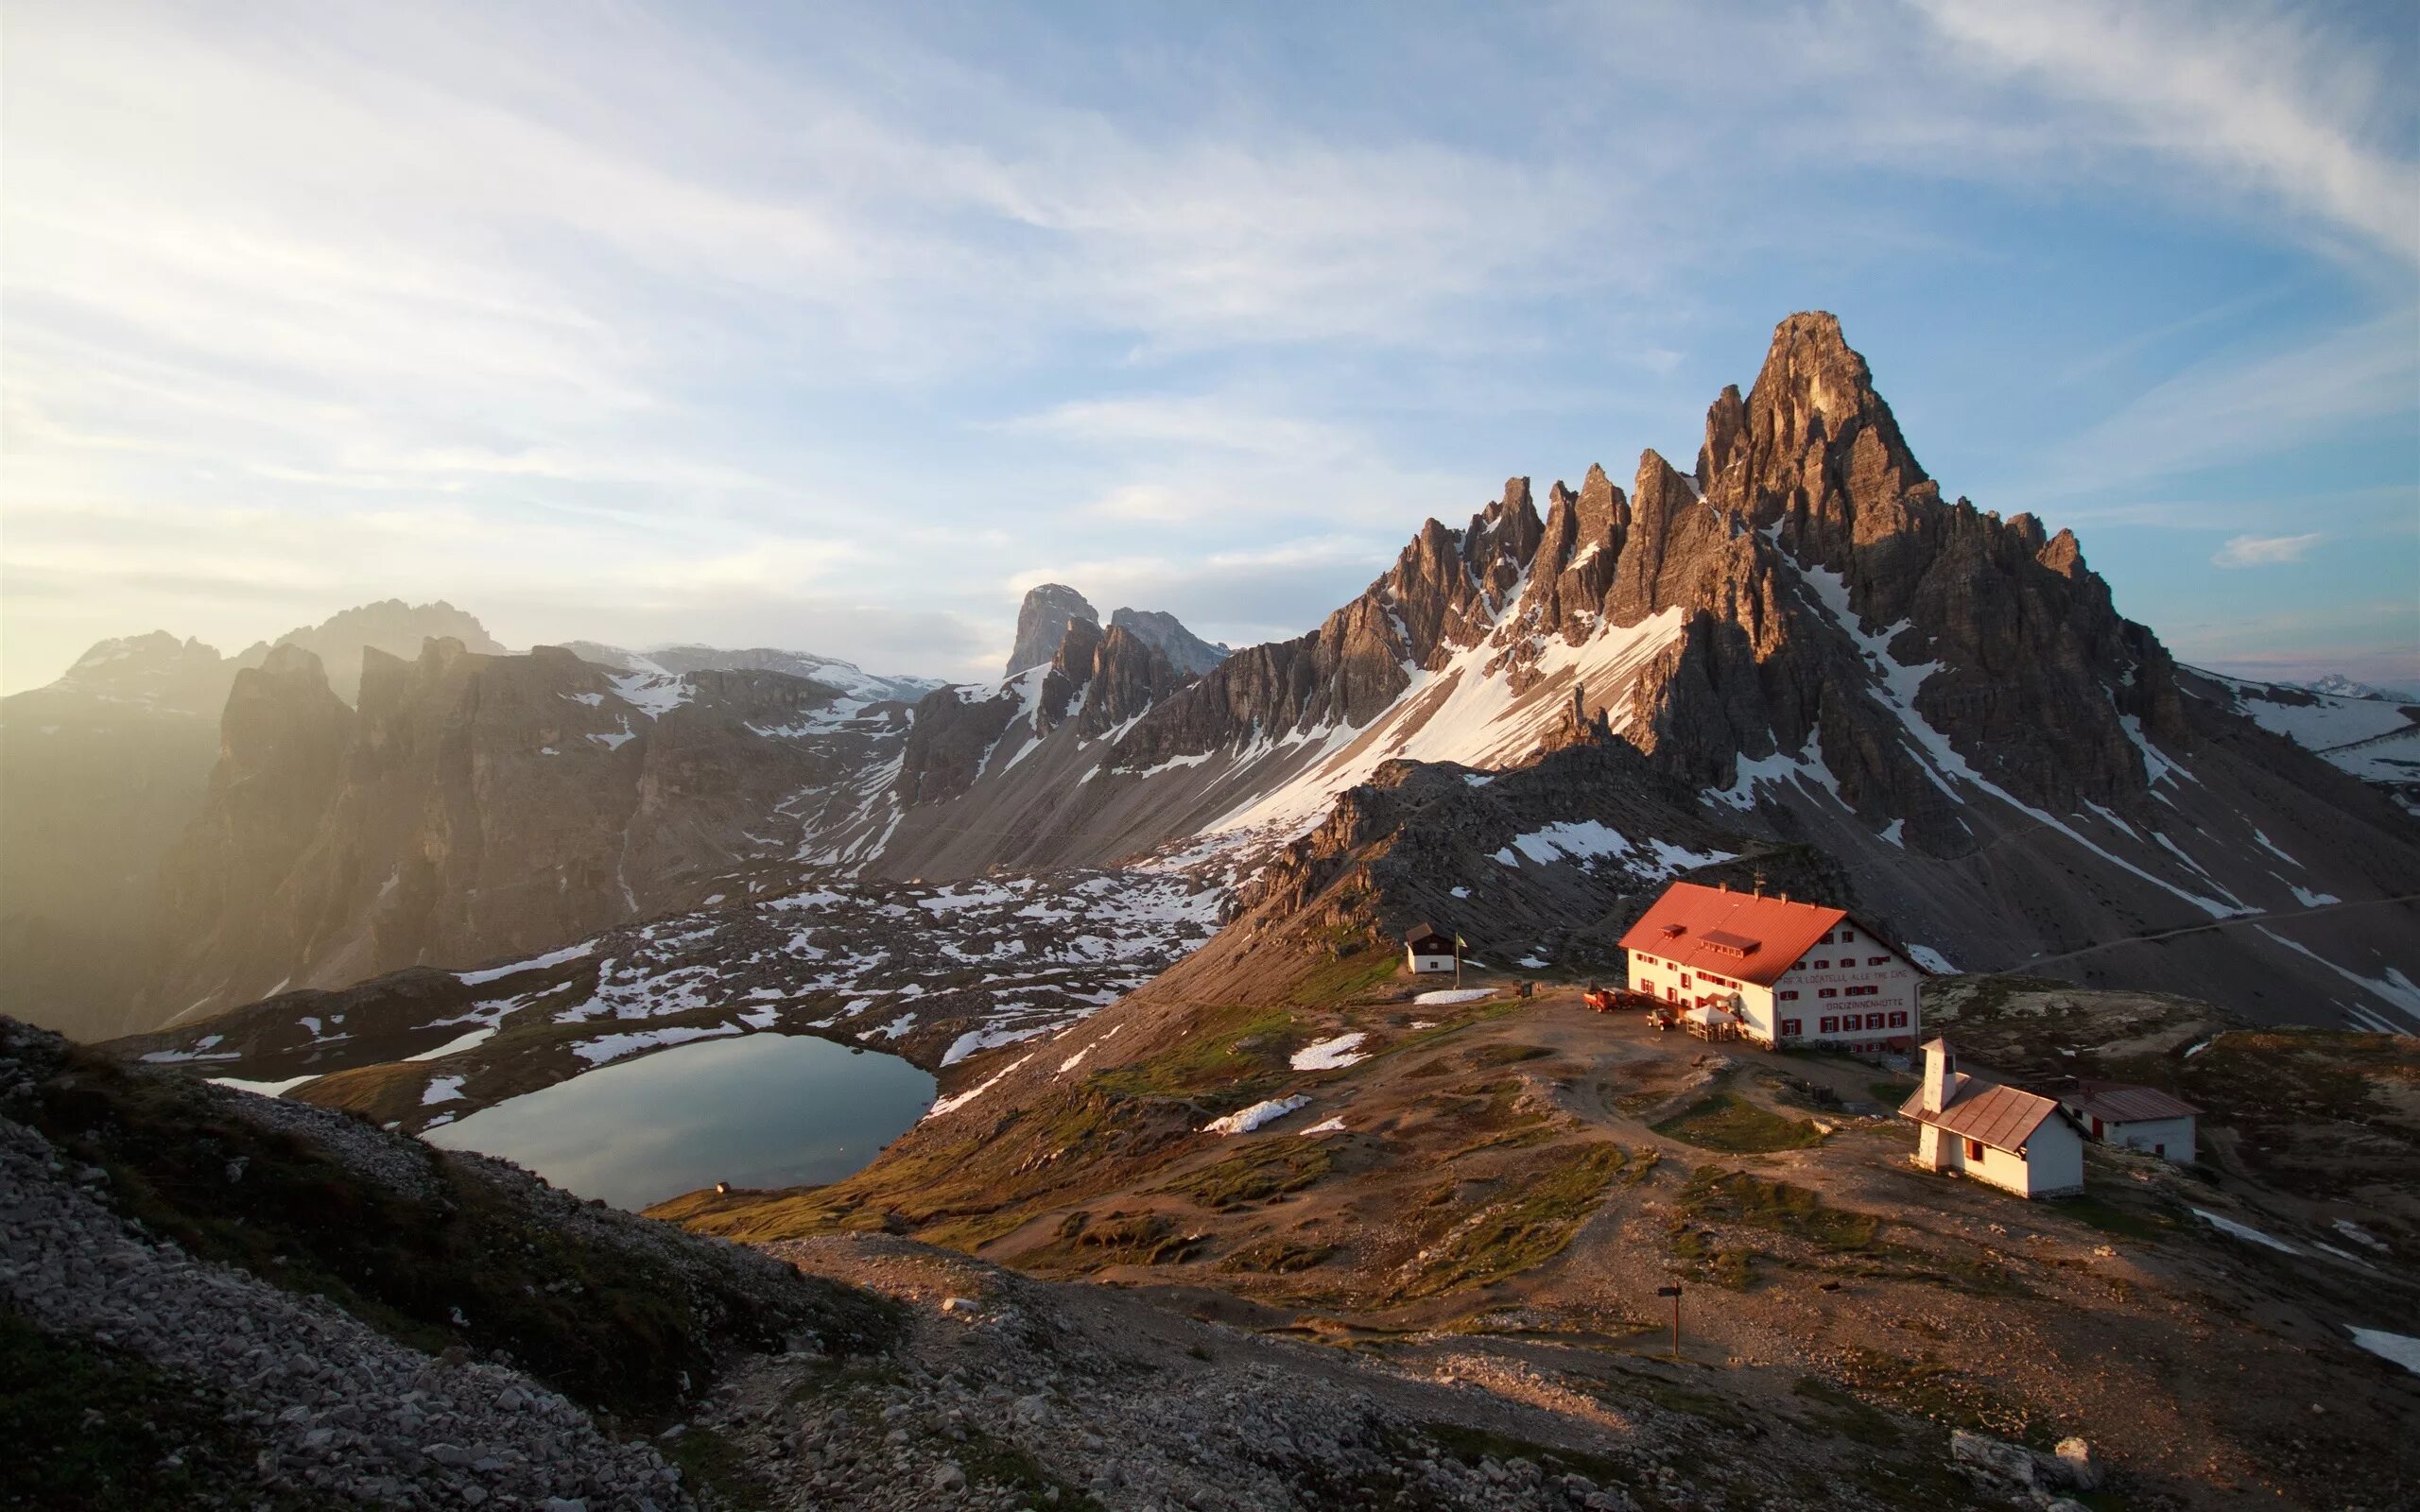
2076 1465
1994 1458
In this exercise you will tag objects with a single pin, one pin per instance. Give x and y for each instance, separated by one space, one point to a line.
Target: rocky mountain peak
391 626
1185 650
1726 433
1043 620
155 671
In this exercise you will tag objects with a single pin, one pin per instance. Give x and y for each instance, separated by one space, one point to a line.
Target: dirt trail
2237 922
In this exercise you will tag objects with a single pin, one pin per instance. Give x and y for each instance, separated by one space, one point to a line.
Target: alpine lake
756 1110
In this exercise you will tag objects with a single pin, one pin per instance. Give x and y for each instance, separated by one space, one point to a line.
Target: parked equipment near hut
1613 999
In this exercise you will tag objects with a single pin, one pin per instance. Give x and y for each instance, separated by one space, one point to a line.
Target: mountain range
1796 645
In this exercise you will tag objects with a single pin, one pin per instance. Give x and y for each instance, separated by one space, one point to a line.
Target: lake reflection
761 1111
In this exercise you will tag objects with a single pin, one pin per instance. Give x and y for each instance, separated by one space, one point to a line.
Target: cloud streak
2265 551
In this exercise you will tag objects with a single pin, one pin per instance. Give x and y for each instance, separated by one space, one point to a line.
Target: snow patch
1455 994
475 1037
976 1040
951 1104
1257 1115
2246 1232
535 963
1331 1055
604 1048
265 1089
1932 960
2400 1347
2395 988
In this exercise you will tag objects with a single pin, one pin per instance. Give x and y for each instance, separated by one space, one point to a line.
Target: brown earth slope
1494 1191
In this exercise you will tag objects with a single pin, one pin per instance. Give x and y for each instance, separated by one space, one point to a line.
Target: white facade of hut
1797 974
2014 1140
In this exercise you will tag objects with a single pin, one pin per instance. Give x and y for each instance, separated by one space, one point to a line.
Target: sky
836 328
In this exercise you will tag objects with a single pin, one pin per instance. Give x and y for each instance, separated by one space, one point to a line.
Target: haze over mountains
1801 643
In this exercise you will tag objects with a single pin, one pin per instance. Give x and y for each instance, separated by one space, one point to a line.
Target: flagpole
1457 960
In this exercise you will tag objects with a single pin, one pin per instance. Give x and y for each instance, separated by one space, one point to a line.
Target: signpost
1675 1293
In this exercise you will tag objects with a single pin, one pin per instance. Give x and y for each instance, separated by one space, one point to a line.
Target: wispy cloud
2254 95
2264 551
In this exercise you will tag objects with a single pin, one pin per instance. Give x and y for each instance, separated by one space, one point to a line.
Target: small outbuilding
2015 1139
2136 1118
1429 948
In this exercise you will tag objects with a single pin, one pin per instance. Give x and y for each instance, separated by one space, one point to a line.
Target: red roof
1730 933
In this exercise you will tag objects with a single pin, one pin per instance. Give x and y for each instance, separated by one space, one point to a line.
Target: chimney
1760 885
1940 1066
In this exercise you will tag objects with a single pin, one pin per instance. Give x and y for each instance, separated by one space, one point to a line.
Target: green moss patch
1229 1058
1255 1174
1699 1254
1530 1223
2125 1222
1277 1255
1087 1242
1502 1054
990 1460
1717 1195
1729 1122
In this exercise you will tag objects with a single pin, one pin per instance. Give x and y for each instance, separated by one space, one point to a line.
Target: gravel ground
344 1411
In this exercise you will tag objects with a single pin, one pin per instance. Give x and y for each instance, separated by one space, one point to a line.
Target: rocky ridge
852 680
101 773
476 805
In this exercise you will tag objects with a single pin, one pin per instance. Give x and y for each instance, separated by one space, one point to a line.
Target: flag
1461 944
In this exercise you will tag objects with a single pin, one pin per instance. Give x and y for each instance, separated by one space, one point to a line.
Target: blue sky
835 329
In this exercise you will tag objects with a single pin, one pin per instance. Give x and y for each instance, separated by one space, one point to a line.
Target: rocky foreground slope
184 1324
